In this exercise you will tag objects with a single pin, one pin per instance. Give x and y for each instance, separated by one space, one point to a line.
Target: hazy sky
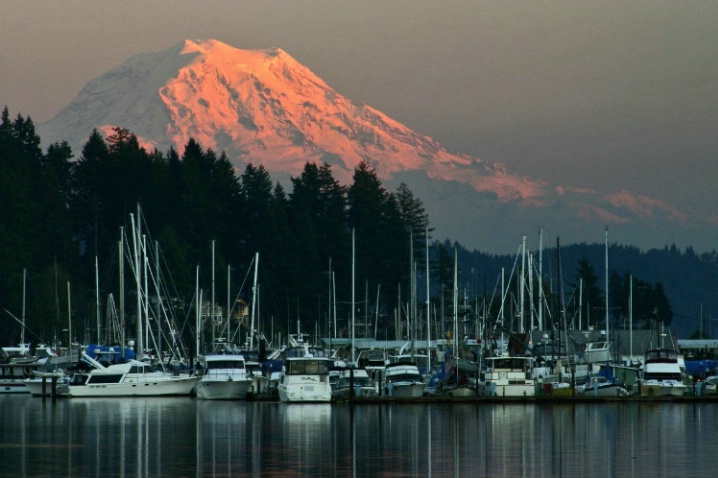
603 94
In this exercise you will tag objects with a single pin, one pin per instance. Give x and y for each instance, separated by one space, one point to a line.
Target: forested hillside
64 216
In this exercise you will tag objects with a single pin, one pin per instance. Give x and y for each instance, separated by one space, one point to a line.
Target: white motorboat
131 378
355 383
305 376
662 375
508 376
224 377
403 380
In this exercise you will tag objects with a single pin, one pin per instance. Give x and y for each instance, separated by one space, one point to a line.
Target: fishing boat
662 375
355 383
507 376
403 380
305 375
129 378
224 377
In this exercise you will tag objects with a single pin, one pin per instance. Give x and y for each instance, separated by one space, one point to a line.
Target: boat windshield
511 363
358 382
301 352
663 376
404 377
661 354
307 366
225 364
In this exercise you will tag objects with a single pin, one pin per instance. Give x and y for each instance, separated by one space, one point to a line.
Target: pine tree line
60 214
66 213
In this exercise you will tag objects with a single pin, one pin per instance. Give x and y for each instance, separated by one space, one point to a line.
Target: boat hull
363 392
405 390
492 389
13 386
304 392
611 390
174 386
223 389
459 392
653 388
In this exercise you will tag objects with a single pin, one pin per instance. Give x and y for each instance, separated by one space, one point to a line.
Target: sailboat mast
353 291
412 295
606 284
22 330
198 312
97 299
138 329
630 317
540 281
522 284
158 308
213 316
428 308
229 309
145 294
69 320
254 301
121 252
455 348
329 304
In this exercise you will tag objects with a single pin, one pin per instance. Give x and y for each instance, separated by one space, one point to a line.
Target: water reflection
147 437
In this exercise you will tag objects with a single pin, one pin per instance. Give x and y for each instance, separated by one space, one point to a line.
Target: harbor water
185 437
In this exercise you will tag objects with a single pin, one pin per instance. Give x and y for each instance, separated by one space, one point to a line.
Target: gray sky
603 94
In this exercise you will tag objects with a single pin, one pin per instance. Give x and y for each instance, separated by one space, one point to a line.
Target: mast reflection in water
183 437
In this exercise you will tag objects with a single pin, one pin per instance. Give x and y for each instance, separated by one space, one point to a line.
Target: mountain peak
264 107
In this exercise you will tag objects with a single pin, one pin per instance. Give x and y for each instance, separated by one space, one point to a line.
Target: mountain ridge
262 106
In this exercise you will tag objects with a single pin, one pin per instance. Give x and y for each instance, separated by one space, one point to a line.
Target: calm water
176 437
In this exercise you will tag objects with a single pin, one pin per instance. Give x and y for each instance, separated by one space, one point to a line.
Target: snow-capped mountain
262 106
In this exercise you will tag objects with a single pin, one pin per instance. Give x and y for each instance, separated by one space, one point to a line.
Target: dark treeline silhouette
61 214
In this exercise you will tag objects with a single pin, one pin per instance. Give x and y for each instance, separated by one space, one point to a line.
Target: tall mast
229 309
630 317
353 291
97 299
138 329
69 319
455 348
522 284
198 312
606 285
428 308
121 252
22 330
412 295
540 281
212 312
329 304
158 306
145 292
254 301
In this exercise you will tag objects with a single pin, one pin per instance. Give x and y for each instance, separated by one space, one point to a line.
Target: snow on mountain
262 106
